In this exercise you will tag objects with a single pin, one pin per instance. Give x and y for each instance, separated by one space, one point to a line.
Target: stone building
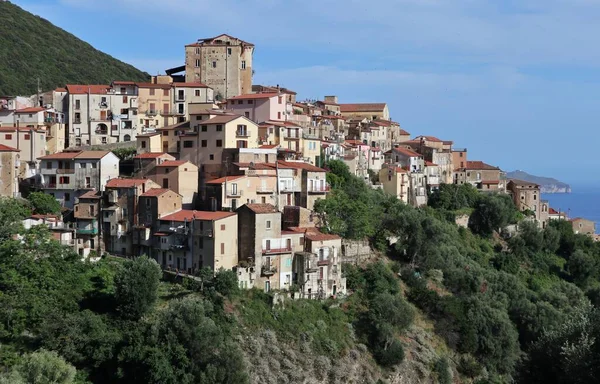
484 177
526 196
583 226
9 171
224 63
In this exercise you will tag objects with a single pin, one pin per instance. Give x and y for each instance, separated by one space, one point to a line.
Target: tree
12 211
453 197
582 267
41 367
226 282
491 214
43 203
137 287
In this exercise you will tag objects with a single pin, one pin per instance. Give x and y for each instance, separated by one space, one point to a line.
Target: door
289 244
102 115
267 286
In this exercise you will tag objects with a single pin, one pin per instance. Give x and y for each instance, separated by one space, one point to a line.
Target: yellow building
179 176
149 142
395 181
9 160
371 111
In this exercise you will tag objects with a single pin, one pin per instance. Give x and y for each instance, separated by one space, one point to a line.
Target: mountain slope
32 47
548 184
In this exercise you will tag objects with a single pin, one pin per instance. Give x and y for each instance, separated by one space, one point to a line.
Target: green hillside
31 48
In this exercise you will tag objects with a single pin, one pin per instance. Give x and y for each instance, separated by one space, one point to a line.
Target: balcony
268 270
77 121
87 231
319 189
63 171
236 193
242 134
311 267
180 97
102 131
151 112
325 262
289 188
274 251
103 104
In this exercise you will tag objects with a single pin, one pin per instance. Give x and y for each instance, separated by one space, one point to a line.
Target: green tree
41 367
44 203
226 282
492 212
137 287
583 268
12 211
453 197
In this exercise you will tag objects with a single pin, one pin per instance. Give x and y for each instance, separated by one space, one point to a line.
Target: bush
137 287
442 368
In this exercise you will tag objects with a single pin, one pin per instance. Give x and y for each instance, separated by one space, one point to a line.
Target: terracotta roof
253 96
90 195
480 165
150 134
407 152
30 110
355 142
262 208
21 129
400 169
60 90
189 215
125 183
270 146
61 155
221 180
161 234
362 107
523 183
319 236
190 85
223 119
154 192
120 82
6 148
152 155
256 165
92 155
403 132
172 163
581 219
430 164
76 89
280 123
300 165
327 102
271 88
182 125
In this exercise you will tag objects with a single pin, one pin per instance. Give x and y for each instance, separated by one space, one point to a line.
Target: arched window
127 138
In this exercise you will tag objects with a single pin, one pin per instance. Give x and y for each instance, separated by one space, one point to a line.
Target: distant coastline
548 185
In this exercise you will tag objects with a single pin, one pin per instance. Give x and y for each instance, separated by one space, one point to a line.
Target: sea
583 201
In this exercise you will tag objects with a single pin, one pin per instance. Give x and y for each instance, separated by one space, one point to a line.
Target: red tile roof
6 148
61 155
279 123
327 102
172 163
362 107
221 180
190 85
262 208
312 236
154 192
222 119
30 110
152 85
403 132
21 129
149 134
407 152
355 142
430 164
77 89
256 165
189 215
480 165
300 165
270 146
253 96
60 90
90 195
152 155
125 183
92 155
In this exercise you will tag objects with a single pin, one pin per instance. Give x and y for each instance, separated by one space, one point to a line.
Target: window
151 91
204 143
165 133
250 101
278 115
240 101
49 165
197 51
222 248
280 99
197 63
211 157
234 189
204 128
125 99
222 227
243 64
219 143
64 180
534 197
77 104
127 138
165 183
94 165
214 64
27 136
165 92
242 144
103 99
201 243
188 144
247 115
229 51
8 136
152 107
67 196
219 128
88 182
460 154
268 224
197 93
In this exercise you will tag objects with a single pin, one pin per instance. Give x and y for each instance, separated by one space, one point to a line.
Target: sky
514 81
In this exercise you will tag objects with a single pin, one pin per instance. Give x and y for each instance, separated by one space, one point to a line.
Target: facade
188 240
287 135
67 175
224 63
395 181
371 111
230 192
102 114
583 226
459 157
149 142
179 176
31 144
145 162
9 171
526 196
260 107
156 105
88 215
482 176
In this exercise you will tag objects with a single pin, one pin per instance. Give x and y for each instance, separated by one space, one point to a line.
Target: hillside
31 48
548 184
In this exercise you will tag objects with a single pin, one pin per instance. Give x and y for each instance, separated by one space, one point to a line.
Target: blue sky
515 82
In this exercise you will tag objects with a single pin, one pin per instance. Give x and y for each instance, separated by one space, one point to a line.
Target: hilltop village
202 168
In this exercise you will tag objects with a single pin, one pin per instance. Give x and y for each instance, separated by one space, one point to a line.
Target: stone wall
356 252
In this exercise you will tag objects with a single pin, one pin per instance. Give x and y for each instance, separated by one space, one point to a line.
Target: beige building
526 196
459 157
155 106
583 226
144 163
224 63
87 215
149 142
482 176
230 192
9 171
179 176
31 143
371 111
395 181
286 134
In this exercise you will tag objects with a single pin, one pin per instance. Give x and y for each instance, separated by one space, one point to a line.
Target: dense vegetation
32 48
516 308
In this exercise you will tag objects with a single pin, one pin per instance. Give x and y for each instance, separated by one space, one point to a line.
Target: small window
219 143
204 143
229 51
214 64
27 136
250 101
165 92
152 91
197 51
268 224
534 197
143 144
222 248
197 63
204 128
240 101
219 128
197 93
165 133
188 144
165 183
211 157
247 115
67 196
243 64
8 136
222 227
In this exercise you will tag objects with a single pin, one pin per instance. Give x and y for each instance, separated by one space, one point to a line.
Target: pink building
261 107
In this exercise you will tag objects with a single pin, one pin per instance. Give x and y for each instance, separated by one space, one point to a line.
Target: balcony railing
321 263
242 133
272 251
62 171
77 121
87 231
268 270
151 112
290 188
319 189
235 193
264 190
